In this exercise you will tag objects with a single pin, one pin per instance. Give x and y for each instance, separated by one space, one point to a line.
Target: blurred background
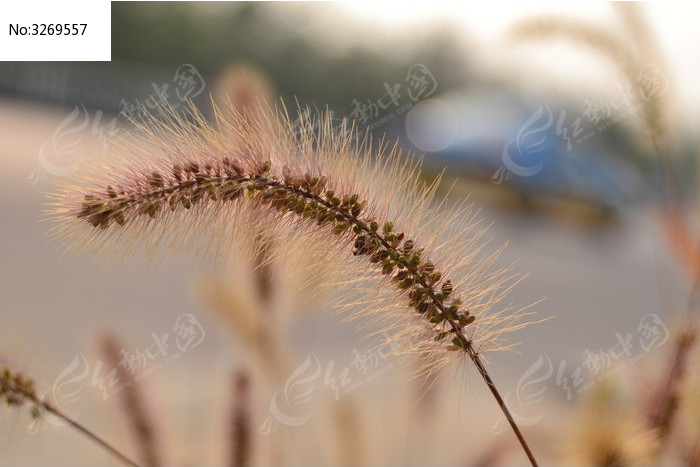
572 127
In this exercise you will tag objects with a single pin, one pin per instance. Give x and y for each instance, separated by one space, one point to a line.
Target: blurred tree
214 35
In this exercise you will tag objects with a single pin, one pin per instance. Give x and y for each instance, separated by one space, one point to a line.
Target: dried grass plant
411 264
241 423
18 390
135 407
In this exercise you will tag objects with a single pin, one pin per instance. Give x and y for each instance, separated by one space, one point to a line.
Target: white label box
61 30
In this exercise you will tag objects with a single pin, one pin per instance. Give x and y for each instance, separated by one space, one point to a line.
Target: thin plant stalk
240 429
501 403
134 408
666 402
88 432
17 389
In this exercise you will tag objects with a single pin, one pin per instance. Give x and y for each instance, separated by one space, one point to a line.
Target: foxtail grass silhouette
411 263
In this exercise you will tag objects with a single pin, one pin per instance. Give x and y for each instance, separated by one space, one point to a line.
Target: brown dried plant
410 262
240 428
135 408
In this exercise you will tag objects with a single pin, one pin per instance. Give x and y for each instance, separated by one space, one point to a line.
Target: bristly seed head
310 187
420 278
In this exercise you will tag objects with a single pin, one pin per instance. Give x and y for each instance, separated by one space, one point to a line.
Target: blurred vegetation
213 35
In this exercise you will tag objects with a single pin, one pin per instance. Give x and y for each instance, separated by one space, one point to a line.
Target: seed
388 267
119 217
464 320
447 288
401 275
437 318
441 335
156 180
339 228
300 206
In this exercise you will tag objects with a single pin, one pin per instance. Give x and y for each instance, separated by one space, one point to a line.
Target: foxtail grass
18 390
411 263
